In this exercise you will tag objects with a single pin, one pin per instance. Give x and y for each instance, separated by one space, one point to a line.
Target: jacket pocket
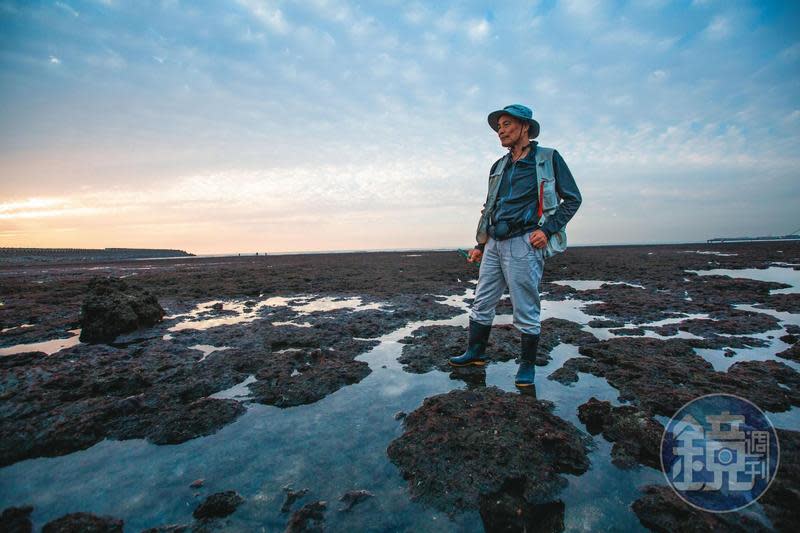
548 187
557 243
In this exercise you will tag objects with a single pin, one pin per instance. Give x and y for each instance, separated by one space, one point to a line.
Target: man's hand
538 239
474 255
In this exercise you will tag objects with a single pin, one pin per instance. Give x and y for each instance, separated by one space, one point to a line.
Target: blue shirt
518 196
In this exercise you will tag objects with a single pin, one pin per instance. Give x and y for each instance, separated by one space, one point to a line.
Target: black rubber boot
478 338
527 368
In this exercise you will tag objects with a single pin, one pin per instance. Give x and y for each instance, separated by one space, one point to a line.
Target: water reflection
589 284
216 313
207 350
48 347
344 435
777 274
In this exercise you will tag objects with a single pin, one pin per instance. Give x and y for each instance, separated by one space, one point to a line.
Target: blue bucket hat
519 111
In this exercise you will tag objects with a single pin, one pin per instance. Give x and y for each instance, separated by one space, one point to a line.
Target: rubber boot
478 338
527 368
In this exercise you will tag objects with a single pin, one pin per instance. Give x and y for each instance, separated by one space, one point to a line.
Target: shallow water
605 333
21 326
705 252
789 276
591 284
332 446
48 347
268 448
204 316
207 349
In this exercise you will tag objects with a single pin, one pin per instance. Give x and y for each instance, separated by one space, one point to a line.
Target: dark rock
464 444
638 332
730 322
305 377
728 353
789 339
631 305
787 303
713 290
16 520
114 306
556 331
217 306
218 505
83 523
353 497
595 415
564 375
399 415
661 376
718 342
201 417
156 389
660 509
605 323
21 359
792 352
291 497
636 436
307 519
781 501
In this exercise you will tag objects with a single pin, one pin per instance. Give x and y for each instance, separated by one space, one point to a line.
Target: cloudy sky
259 125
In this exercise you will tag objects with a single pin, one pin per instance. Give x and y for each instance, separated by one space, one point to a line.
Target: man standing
532 195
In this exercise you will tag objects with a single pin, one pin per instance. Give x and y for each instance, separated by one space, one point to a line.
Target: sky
274 126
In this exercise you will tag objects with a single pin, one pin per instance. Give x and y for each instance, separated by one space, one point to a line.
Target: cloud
323 110
478 30
67 8
658 76
108 59
584 8
266 13
790 53
719 28
416 13
632 37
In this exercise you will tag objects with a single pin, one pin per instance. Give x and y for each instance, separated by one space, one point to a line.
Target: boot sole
474 363
523 385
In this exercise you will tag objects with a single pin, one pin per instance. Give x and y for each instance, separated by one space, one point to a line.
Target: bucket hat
519 111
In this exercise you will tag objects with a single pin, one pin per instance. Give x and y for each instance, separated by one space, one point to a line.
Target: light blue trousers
516 264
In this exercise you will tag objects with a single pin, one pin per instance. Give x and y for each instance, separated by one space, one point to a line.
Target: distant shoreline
26 256
56 256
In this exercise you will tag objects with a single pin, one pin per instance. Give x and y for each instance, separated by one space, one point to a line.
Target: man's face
510 130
